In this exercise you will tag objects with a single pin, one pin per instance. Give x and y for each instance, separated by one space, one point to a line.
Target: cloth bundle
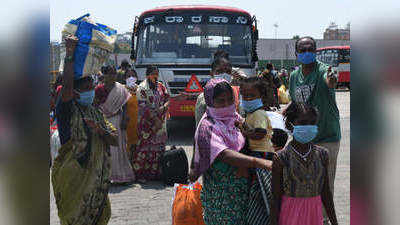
96 43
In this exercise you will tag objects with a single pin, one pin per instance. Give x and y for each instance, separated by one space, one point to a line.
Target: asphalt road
150 204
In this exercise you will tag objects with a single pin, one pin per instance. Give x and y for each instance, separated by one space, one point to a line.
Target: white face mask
131 82
225 76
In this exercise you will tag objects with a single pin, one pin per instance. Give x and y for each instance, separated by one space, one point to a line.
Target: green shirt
324 99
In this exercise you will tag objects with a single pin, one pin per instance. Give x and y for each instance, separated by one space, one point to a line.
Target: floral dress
152 131
224 196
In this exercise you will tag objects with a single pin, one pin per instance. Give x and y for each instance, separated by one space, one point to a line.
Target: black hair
258 83
279 137
221 54
270 66
108 70
103 68
221 88
151 69
134 72
125 63
81 81
294 110
306 37
220 61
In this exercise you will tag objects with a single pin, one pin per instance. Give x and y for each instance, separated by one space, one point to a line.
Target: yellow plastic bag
283 95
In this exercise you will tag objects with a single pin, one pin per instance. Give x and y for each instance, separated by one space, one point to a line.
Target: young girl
300 182
260 195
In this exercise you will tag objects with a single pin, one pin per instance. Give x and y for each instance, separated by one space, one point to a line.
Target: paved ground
150 204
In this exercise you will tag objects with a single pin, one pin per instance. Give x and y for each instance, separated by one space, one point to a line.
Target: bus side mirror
133 55
256 34
134 33
254 56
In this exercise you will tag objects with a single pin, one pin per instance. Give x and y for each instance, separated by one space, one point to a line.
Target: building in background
123 43
55 59
333 32
54 56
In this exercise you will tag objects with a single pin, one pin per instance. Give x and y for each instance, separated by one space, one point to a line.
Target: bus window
345 56
331 57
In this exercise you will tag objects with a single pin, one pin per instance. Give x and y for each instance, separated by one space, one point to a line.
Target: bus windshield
193 43
334 56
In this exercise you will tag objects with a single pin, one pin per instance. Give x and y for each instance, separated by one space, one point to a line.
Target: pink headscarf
216 131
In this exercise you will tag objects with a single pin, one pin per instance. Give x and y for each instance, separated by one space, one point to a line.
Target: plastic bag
55 145
283 95
96 43
186 206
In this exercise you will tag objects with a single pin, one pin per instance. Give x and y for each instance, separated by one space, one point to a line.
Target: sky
307 17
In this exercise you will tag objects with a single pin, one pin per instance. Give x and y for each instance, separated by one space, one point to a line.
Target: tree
296 37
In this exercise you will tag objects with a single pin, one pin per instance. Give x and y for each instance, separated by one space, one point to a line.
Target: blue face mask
305 133
86 98
251 106
306 57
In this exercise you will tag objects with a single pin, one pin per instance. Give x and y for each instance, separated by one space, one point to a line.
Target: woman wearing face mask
300 181
218 141
153 100
132 112
111 99
81 170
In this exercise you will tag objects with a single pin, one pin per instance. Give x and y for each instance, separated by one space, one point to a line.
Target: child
279 139
256 121
300 182
256 117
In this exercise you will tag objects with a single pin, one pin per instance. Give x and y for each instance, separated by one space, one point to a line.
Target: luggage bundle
96 43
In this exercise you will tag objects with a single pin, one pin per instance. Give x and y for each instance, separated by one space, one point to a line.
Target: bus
339 58
181 41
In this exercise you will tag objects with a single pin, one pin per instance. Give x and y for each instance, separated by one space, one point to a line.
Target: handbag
174 166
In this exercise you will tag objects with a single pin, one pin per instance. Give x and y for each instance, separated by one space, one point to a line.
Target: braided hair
295 109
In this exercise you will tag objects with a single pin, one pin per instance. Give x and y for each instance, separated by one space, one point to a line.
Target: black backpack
174 166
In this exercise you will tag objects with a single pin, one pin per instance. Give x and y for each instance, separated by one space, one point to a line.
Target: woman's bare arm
67 91
241 160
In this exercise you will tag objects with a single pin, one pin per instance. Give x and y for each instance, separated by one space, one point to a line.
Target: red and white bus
181 41
339 58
